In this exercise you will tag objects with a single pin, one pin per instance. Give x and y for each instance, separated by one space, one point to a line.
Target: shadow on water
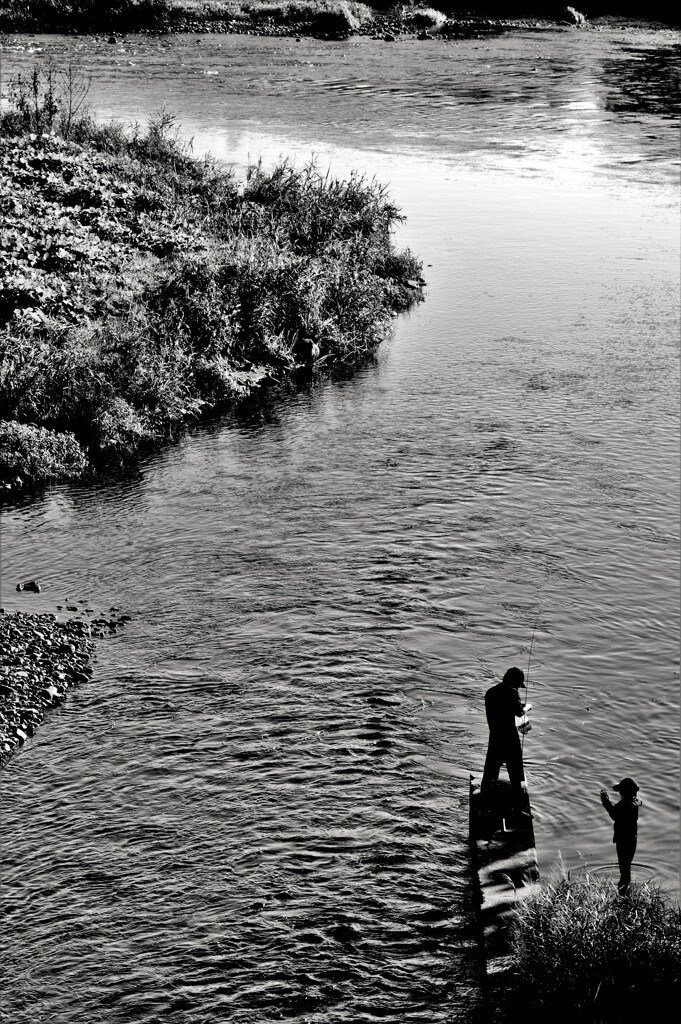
645 81
265 407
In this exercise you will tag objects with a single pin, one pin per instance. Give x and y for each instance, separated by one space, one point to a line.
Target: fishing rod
527 675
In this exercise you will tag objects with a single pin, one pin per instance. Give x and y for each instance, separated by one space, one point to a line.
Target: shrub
119 431
585 954
337 17
424 17
38 454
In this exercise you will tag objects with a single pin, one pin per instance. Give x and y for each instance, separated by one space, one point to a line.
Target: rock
112 40
388 38
573 17
32 585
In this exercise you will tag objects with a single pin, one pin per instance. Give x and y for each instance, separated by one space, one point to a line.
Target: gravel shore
42 659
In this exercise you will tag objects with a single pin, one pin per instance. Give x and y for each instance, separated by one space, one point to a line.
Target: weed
585 954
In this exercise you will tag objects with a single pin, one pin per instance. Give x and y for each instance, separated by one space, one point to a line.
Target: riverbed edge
331 20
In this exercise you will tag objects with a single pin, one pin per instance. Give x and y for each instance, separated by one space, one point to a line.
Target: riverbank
326 19
582 952
144 289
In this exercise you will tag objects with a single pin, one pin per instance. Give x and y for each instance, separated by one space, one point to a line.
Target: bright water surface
257 809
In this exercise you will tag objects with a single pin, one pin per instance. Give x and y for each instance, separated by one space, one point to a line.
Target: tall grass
584 954
141 288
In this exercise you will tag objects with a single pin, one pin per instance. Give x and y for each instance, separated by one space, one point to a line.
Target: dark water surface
257 809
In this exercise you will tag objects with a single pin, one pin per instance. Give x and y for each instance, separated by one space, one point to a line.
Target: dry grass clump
585 954
423 17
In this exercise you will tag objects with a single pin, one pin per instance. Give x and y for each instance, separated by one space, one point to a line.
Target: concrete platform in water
505 863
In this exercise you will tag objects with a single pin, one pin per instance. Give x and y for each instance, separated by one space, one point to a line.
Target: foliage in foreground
585 954
141 288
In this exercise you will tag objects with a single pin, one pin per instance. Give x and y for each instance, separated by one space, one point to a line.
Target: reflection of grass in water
584 953
641 873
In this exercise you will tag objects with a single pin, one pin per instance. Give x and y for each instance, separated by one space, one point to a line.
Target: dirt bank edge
326 19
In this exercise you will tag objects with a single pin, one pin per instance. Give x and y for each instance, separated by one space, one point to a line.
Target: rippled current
257 808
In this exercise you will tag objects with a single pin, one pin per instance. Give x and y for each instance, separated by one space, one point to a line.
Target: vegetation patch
329 19
423 18
585 954
142 289
335 17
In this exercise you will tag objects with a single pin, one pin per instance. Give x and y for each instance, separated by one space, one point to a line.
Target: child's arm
607 803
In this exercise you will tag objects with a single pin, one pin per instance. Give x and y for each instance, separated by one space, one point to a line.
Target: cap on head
626 786
514 677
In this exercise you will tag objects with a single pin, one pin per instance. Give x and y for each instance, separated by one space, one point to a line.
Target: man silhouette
502 706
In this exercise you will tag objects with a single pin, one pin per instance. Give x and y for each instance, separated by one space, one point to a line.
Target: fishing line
527 676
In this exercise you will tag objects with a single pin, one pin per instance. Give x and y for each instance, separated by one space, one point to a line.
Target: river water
257 809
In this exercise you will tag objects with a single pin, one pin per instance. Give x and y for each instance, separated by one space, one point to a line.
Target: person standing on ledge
625 815
502 706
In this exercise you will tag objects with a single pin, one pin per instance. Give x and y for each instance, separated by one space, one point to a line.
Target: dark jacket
502 704
625 815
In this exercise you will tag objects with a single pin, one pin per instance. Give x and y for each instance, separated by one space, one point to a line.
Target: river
257 808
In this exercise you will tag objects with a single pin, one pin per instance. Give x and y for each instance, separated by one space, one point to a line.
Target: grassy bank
326 18
585 955
142 289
